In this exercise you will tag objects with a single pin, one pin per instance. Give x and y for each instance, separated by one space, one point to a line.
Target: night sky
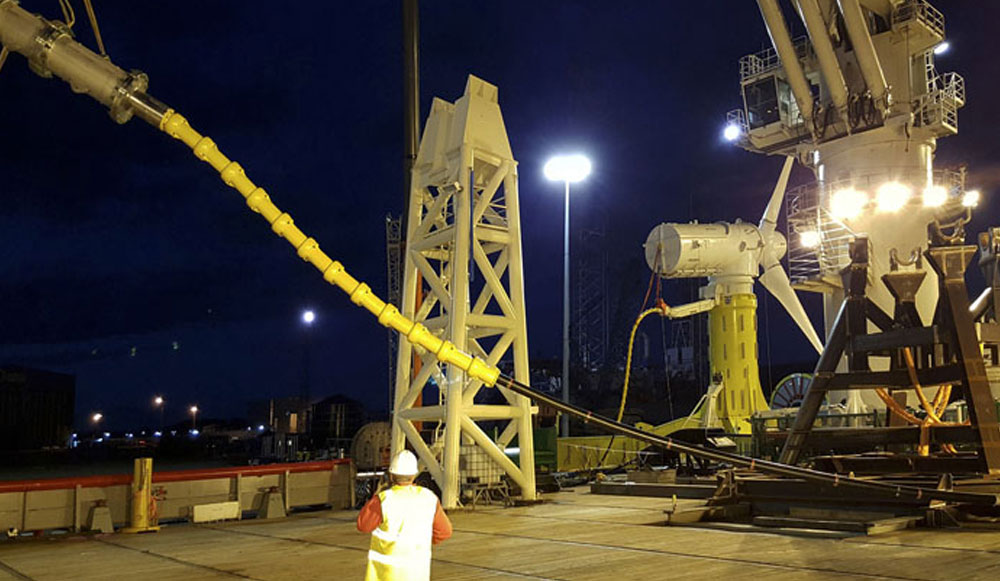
116 237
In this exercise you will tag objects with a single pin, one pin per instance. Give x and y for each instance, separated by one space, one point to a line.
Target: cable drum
370 448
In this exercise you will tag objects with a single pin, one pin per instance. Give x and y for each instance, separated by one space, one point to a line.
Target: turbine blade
776 282
770 218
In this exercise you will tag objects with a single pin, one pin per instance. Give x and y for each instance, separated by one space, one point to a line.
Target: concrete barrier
65 503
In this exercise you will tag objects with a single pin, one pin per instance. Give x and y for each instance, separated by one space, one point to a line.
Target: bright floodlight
891 197
809 238
732 132
935 196
308 317
971 199
97 417
942 48
567 168
847 203
158 400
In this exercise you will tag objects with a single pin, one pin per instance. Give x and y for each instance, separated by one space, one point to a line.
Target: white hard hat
404 464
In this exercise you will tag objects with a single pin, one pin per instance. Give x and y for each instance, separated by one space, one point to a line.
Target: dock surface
573 535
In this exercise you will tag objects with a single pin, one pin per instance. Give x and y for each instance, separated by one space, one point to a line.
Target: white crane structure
860 102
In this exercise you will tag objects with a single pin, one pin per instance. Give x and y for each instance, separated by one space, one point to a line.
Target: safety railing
818 242
919 11
938 108
768 60
738 118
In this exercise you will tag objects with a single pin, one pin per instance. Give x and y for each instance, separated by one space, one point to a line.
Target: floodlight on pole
308 317
567 169
97 417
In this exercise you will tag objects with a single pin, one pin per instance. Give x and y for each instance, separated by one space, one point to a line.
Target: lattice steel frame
464 243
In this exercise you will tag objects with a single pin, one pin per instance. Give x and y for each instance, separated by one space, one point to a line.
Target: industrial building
36 409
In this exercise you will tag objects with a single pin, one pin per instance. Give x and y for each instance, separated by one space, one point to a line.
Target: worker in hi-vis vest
404 521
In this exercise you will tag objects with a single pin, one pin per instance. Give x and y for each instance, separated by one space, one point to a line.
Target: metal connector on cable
51 51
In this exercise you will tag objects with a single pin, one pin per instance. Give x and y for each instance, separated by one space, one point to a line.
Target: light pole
194 417
158 402
96 420
308 318
567 169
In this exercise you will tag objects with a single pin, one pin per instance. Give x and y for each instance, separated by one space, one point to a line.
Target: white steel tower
463 280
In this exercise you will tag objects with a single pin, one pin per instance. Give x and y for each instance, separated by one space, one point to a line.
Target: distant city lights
260 428
732 132
98 416
158 400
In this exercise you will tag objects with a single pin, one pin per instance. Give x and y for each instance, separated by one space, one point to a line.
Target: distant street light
96 420
160 403
194 417
567 169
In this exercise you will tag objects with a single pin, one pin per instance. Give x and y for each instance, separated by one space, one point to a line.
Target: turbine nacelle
731 256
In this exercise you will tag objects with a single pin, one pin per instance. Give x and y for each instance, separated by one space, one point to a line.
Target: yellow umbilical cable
628 359
912 369
232 174
934 409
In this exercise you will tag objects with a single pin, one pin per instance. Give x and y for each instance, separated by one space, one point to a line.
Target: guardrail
65 503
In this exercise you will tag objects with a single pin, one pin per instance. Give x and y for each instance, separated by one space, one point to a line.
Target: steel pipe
829 65
864 49
51 51
778 30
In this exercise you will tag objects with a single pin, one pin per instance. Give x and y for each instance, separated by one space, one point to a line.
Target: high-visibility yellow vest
400 549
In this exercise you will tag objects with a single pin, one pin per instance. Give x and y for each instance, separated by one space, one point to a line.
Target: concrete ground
574 535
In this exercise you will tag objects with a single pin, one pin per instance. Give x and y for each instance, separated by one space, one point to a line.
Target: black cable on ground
914 493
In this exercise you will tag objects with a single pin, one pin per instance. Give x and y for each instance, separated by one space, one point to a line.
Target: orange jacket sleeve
442 526
371 516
